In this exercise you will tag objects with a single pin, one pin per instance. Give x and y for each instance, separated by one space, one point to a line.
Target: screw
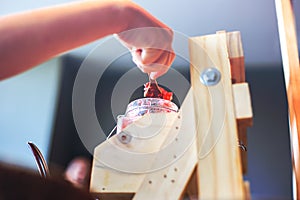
124 137
210 76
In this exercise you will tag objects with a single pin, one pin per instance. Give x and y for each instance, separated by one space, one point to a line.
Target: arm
30 38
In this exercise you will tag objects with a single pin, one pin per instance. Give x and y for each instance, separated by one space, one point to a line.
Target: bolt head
210 76
124 137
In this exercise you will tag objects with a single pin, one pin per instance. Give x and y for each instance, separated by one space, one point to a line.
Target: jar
139 107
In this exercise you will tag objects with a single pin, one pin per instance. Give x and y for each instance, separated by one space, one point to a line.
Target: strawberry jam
152 90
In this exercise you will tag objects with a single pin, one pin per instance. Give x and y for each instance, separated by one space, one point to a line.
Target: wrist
135 16
124 11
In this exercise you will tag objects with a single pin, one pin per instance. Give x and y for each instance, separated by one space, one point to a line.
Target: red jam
152 90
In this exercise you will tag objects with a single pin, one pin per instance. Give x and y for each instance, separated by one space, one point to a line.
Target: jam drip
152 90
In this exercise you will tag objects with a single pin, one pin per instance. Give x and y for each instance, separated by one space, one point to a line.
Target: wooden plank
242 103
236 57
244 116
247 190
108 183
237 68
176 140
121 168
219 166
290 59
170 182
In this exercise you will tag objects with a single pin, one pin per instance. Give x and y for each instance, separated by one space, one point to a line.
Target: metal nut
124 137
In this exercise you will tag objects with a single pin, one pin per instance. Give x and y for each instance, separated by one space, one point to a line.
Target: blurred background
37 105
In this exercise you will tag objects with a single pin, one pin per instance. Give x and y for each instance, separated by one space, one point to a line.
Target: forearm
30 38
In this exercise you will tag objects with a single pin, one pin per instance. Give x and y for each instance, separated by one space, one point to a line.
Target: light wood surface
290 59
219 166
242 103
121 168
171 182
162 179
237 68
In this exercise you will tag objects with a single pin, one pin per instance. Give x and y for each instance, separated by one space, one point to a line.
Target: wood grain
290 59
171 182
219 169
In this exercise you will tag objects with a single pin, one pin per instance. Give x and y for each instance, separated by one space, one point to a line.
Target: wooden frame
201 140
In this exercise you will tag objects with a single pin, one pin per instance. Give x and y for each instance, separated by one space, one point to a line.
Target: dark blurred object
17 183
78 172
63 150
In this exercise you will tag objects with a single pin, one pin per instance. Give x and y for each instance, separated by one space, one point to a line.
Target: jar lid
141 106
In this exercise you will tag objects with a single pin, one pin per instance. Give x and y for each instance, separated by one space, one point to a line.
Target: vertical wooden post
219 165
290 59
238 76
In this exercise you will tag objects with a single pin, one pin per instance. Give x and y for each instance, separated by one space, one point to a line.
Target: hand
151 48
43 29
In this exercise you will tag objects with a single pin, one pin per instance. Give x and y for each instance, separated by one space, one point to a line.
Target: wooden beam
114 163
247 190
219 166
242 103
244 116
163 163
171 181
290 59
238 75
236 57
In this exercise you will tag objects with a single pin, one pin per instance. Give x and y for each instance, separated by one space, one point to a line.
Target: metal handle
40 161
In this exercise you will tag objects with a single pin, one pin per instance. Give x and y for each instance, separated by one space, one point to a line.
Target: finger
150 55
167 61
159 65
166 58
155 75
155 67
162 57
146 67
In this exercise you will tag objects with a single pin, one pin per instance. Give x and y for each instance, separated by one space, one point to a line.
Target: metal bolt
210 76
124 137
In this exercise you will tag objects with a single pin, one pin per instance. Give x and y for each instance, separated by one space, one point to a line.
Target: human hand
151 48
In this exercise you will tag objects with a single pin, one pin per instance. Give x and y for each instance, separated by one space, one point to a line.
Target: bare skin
32 37
78 172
